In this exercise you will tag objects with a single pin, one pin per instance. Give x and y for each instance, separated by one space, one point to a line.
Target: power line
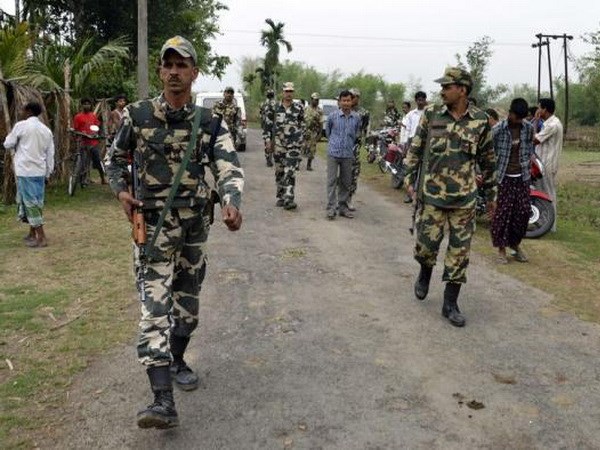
307 44
378 38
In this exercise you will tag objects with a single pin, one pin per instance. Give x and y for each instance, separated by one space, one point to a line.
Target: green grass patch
20 307
60 306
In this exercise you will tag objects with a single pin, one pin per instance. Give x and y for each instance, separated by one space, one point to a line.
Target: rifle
138 230
417 201
419 188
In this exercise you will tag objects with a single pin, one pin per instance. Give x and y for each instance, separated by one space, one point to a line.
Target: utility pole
17 11
142 65
565 37
549 69
539 47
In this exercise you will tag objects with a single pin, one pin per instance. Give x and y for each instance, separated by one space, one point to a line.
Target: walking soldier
452 139
284 137
169 141
313 116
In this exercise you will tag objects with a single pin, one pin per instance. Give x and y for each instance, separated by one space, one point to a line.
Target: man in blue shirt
342 130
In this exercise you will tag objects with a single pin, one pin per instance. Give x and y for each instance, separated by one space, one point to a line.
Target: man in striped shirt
342 130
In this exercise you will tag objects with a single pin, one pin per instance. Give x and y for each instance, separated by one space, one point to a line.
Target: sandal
520 256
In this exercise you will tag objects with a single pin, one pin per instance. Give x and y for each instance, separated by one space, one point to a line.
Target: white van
328 105
208 99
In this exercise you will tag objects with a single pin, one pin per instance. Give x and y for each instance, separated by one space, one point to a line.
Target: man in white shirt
32 146
549 143
412 122
403 124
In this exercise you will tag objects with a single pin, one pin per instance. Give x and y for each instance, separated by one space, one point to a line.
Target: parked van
328 105
208 99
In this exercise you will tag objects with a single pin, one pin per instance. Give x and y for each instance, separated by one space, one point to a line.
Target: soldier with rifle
169 141
451 140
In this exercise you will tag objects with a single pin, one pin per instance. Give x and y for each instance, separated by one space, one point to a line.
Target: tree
47 67
73 21
307 79
585 97
476 62
272 38
14 43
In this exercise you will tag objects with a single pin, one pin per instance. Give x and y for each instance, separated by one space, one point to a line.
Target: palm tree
272 39
57 67
14 43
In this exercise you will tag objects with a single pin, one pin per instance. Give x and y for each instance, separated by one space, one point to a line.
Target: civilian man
343 131
549 141
33 149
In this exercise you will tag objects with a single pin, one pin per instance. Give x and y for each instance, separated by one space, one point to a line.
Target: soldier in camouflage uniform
231 113
284 137
265 106
365 118
392 115
313 116
451 140
155 134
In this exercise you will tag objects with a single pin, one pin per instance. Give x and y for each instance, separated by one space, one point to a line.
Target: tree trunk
66 107
8 176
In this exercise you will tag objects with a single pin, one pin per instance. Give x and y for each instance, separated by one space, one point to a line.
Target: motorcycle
389 156
542 214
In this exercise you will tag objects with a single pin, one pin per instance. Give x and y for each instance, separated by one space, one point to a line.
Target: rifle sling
176 180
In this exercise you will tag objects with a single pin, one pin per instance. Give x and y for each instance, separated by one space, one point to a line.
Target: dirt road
311 337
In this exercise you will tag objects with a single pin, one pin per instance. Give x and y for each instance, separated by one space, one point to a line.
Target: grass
57 310
565 264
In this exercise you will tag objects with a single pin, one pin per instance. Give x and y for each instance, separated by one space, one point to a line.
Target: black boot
309 164
422 283
450 309
161 413
269 161
183 376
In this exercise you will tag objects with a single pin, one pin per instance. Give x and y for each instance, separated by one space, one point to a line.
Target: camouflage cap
288 86
181 45
314 96
355 92
456 75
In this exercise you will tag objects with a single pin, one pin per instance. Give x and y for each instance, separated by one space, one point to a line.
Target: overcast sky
404 39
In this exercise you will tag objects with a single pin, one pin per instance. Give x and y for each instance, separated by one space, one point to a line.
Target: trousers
287 163
430 232
174 276
339 179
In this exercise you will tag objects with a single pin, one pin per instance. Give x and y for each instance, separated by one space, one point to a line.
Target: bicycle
80 161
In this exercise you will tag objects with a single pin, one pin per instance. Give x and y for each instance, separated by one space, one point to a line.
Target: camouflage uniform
158 138
364 131
449 190
285 128
232 115
314 129
266 106
391 118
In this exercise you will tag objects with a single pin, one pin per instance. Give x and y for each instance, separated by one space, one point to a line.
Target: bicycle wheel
74 177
